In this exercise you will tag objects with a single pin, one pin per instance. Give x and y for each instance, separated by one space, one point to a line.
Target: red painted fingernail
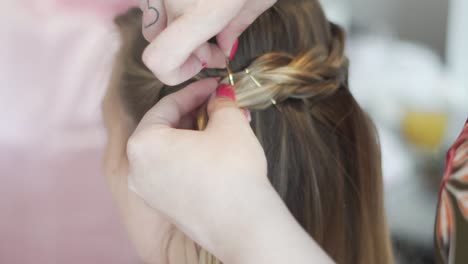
204 65
227 91
234 50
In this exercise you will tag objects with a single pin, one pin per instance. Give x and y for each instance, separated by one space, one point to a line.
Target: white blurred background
409 69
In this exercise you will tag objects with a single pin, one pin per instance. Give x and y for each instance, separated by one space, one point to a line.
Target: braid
317 72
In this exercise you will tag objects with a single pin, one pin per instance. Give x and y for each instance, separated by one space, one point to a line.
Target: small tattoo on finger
155 11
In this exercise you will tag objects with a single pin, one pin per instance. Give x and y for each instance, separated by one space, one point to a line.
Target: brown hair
322 149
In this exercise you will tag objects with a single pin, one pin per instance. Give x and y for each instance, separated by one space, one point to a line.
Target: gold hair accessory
257 83
230 75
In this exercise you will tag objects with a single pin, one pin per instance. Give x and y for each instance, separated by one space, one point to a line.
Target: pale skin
173 59
175 186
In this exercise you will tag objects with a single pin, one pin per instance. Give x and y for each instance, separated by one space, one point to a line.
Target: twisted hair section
317 72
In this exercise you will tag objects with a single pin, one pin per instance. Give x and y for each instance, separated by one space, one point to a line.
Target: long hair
322 149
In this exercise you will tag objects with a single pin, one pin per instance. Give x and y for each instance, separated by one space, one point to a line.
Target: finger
249 13
154 18
224 113
194 65
188 121
211 56
169 111
174 46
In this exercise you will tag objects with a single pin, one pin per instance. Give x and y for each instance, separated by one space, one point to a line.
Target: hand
179 30
209 183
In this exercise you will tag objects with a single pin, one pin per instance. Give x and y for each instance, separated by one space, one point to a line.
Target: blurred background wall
423 21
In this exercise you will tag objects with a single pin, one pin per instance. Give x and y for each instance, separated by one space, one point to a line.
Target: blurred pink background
56 61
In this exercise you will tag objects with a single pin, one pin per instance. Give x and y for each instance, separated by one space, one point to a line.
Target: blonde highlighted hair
322 149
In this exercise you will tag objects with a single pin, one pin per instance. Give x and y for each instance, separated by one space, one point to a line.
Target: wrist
270 234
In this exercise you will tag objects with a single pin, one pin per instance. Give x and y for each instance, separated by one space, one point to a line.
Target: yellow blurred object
425 129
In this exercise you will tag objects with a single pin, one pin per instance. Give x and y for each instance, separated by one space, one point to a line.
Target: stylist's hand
179 30
208 183
211 184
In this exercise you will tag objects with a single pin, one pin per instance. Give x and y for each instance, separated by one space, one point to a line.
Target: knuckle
147 57
156 63
169 79
134 147
153 60
145 145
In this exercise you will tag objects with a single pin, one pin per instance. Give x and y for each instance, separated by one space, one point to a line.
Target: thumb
224 113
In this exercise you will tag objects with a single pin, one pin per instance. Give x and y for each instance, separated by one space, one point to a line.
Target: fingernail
226 91
204 65
247 115
234 50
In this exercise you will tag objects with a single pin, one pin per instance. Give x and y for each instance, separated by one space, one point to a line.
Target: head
322 150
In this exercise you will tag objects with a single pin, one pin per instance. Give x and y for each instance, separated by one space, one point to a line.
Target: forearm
274 236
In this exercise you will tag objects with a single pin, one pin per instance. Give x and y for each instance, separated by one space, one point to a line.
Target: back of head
322 150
